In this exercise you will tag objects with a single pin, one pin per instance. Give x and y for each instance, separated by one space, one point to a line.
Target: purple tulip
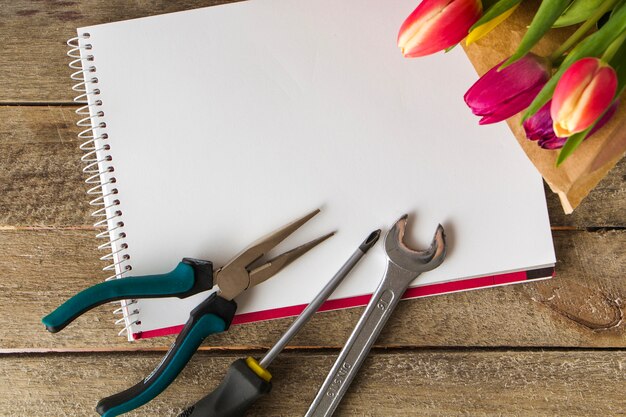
539 127
498 95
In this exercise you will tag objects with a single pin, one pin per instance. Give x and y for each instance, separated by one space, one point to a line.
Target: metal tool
213 315
248 380
403 266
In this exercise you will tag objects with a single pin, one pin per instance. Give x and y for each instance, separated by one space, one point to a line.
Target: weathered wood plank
605 206
41 179
405 383
41 182
583 306
33 67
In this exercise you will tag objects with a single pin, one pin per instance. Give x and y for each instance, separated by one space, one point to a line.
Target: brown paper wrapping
584 169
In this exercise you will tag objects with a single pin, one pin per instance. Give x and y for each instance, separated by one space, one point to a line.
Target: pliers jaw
240 273
213 315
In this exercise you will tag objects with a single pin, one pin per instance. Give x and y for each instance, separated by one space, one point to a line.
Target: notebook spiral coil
99 172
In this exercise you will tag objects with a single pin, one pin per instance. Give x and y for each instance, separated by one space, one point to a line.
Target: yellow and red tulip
584 92
436 25
538 127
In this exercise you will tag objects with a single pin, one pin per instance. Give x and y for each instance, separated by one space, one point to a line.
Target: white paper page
228 122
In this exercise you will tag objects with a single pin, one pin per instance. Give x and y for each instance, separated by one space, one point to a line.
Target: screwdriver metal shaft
248 380
319 299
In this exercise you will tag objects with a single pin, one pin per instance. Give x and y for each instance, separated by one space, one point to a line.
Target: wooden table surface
548 348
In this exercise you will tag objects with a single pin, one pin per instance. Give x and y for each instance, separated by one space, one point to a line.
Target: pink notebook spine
348 302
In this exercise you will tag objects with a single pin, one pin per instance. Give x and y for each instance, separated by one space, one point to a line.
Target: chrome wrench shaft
403 266
367 330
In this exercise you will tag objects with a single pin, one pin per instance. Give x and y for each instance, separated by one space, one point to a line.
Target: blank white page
227 122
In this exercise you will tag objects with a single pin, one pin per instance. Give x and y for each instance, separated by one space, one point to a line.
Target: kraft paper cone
584 169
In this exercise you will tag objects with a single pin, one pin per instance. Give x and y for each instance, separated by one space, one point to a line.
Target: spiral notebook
209 128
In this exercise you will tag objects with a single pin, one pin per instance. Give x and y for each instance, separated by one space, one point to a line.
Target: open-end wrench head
410 259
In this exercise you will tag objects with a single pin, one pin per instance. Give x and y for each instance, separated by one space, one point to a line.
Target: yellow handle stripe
263 373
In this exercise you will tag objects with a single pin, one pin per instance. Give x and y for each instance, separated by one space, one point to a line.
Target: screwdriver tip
370 241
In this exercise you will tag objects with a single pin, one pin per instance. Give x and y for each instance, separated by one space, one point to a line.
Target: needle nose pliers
213 315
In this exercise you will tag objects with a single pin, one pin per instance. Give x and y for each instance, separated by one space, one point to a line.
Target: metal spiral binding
100 173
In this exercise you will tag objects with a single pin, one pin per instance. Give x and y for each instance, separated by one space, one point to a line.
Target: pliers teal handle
190 277
213 315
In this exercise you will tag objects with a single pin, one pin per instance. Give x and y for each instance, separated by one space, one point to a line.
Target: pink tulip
436 25
582 94
539 127
498 95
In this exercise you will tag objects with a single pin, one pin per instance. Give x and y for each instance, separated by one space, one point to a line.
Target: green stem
614 47
558 61
583 29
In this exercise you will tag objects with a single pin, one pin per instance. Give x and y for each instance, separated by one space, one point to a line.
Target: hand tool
403 266
213 315
248 380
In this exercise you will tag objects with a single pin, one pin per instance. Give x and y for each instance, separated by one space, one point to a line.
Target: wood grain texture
33 64
47 253
41 180
33 68
408 383
603 207
582 307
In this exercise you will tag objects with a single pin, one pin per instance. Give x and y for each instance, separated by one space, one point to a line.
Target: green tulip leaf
578 11
572 143
493 11
488 3
618 62
617 6
548 12
593 45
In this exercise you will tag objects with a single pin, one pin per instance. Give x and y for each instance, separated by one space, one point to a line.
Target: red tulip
583 94
436 25
500 94
539 127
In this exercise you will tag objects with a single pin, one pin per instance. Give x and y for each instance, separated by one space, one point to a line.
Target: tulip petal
572 84
595 99
436 25
574 141
510 88
510 107
539 126
608 115
485 28
552 143
583 93
424 12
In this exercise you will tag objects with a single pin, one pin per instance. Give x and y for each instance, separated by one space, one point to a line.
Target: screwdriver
247 380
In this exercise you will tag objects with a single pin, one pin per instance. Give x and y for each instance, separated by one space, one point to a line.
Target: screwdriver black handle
238 391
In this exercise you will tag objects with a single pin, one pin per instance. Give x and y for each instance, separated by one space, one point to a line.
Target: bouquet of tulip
565 95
